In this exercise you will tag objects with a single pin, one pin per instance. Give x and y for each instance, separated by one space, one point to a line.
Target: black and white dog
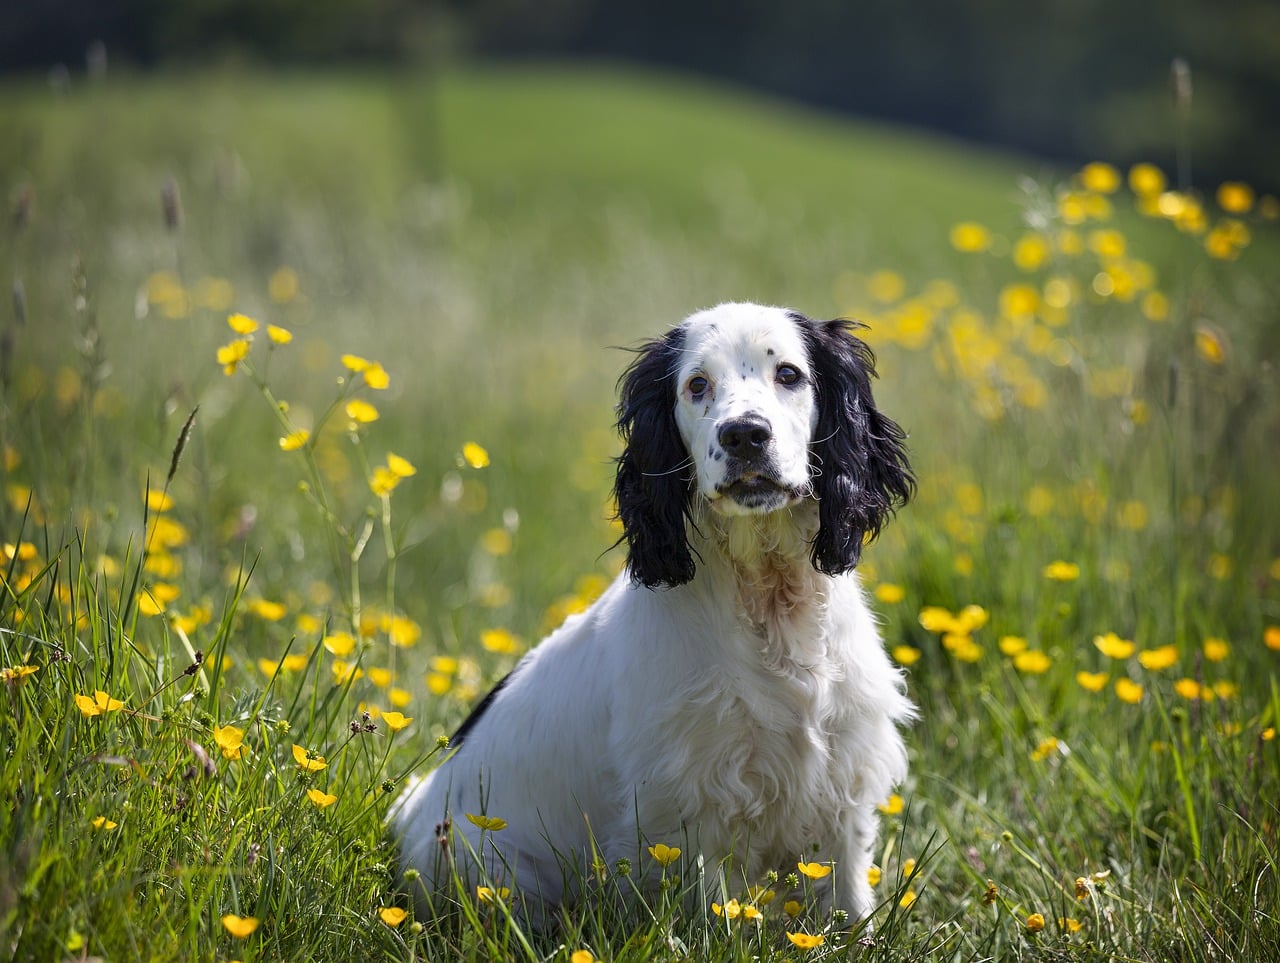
729 693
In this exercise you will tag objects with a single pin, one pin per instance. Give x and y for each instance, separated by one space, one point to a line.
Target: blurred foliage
1073 80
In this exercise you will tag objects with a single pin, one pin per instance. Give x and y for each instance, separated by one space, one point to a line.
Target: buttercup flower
805 941
474 455
1215 650
488 823
1112 646
102 822
98 704
230 740
294 440
393 916
239 926
730 910
1159 658
230 355
242 324
279 335
890 807
1032 662
360 412
814 870
1061 571
14 673
1035 923
322 799
663 854
487 894
308 761
1128 691
1092 681
395 721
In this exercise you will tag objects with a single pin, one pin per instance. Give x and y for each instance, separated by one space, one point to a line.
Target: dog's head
752 409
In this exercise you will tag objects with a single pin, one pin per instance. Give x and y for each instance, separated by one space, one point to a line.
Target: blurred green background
1067 80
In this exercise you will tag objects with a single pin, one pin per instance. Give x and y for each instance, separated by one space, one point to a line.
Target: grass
486 236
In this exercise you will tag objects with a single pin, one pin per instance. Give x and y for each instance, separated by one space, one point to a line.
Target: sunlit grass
306 434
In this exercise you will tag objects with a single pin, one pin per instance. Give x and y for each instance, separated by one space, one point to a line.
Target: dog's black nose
744 437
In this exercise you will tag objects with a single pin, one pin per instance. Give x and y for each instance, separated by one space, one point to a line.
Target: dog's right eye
698 386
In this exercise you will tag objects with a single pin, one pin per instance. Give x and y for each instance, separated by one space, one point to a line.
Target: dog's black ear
858 456
653 484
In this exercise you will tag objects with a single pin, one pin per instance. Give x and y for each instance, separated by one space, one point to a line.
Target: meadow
306 405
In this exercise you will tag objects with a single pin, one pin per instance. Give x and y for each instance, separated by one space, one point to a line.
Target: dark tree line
1070 79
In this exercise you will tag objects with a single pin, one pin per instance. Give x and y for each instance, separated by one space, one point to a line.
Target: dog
729 693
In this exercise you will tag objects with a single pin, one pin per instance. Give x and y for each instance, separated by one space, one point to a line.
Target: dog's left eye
788 375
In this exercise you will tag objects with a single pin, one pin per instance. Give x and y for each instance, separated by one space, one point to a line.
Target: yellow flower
393 916
340 644
384 481
376 377
1012 645
1146 180
890 807
582 956
1100 178
321 798
270 611
663 854
1159 658
500 641
749 912
815 870
279 335
1215 650
1031 252
404 632
308 761
361 412
760 895
488 823
1235 197
474 455
1044 749
792 908
1187 688
295 440
1035 923
1112 646
102 822
354 363
874 875
805 941
17 672
1092 681
158 501
487 894
98 704
890 593
730 910
396 721
1211 344
1069 924
230 355
239 926
230 740
1061 571
1271 637
908 898
400 467
1128 691
970 237
241 324
906 654
1032 662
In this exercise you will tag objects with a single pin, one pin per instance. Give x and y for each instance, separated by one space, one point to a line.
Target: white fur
750 713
